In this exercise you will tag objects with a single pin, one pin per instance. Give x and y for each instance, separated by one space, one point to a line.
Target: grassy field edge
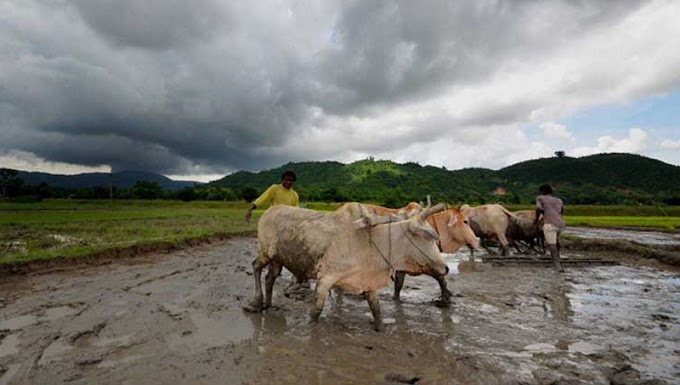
109 254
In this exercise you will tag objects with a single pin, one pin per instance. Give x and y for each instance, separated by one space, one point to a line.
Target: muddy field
177 319
643 237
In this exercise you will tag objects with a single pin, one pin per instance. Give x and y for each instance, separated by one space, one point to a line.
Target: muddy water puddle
644 237
180 320
216 330
643 306
8 345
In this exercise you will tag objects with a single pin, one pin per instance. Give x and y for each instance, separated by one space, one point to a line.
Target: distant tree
147 190
674 201
43 190
122 192
560 154
8 180
394 198
249 194
186 194
332 195
215 193
84 193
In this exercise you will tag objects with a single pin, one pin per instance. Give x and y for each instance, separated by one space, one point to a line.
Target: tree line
605 179
13 187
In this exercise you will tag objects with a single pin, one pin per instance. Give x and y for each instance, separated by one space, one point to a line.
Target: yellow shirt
277 195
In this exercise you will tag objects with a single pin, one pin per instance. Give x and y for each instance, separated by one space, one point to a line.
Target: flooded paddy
644 237
178 318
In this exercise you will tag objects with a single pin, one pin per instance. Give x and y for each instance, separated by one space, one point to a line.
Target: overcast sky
199 89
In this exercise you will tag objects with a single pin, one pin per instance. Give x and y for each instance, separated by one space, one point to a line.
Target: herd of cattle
360 247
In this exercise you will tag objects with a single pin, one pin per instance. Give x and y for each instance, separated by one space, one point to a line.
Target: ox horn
364 221
432 210
370 220
362 210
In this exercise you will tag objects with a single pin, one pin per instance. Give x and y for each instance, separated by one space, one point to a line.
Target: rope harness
414 244
389 250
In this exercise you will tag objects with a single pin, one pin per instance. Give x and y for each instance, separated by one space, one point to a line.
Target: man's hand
249 213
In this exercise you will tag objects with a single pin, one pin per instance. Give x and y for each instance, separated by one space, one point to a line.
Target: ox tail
509 213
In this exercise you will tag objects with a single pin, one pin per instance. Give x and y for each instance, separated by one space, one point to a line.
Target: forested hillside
122 179
596 179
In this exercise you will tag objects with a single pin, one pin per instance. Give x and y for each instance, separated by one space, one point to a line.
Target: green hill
603 179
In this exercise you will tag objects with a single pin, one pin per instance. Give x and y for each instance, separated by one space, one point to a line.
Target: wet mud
644 237
177 318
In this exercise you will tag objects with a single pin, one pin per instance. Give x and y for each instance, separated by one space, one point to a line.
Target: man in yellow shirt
277 194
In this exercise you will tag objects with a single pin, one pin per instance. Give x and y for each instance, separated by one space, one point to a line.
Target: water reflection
641 306
214 330
560 306
267 322
646 237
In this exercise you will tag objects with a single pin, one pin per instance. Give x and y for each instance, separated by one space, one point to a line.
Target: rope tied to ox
389 237
429 257
388 258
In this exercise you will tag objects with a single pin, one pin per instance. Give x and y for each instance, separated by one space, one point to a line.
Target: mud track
176 319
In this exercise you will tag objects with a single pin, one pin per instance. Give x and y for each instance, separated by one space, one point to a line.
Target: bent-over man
552 209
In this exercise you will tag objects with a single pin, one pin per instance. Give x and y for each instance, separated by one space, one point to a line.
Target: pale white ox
489 222
301 283
355 255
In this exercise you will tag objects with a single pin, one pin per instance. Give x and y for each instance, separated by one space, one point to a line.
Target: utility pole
110 187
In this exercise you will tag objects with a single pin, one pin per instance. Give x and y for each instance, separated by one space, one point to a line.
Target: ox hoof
441 303
253 309
379 328
314 317
254 306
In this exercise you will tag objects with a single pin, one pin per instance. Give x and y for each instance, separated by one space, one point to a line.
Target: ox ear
361 223
364 221
452 220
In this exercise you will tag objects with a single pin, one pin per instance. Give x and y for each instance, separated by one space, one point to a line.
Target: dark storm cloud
153 24
169 85
388 52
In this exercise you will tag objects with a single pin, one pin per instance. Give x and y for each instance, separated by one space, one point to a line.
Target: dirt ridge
109 255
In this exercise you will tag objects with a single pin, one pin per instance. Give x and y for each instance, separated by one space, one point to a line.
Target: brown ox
521 229
489 222
339 251
403 212
453 229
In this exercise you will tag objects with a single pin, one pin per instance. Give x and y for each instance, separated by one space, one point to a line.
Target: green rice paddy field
67 228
